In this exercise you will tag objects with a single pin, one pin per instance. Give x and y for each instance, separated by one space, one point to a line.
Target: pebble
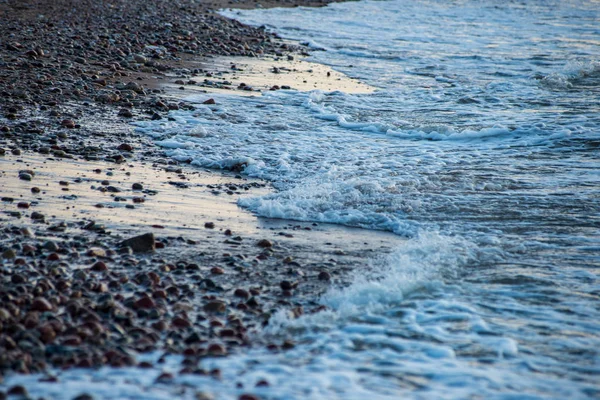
41 304
137 186
25 176
84 396
215 307
264 243
68 123
99 267
180 322
324 276
144 303
37 216
140 244
125 113
9 254
51 246
96 252
125 147
241 293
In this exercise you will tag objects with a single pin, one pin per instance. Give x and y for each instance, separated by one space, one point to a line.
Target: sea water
481 147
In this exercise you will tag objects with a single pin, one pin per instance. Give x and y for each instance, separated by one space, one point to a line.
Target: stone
84 396
41 304
125 147
324 276
241 293
125 113
215 307
264 243
137 186
99 267
180 322
9 254
140 244
68 123
51 246
144 303
25 176
96 252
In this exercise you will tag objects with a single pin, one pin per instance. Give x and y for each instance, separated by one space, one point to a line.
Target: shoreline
75 293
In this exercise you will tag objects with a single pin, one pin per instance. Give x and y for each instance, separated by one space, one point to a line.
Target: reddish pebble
41 304
53 257
241 293
144 302
248 397
217 271
216 349
99 267
125 147
179 322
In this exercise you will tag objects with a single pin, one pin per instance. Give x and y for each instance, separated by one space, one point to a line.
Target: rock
96 252
286 285
324 276
41 304
99 267
140 59
264 243
17 390
241 293
140 244
216 349
37 217
217 271
137 186
215 307
35 190
165 377
9 254
23 204
209 225
209 101
247 396
144 303
180 322
125 147
68 123
84 396
125 113
51 246
25 176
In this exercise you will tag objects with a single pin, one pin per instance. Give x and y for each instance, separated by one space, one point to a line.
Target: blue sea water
481 147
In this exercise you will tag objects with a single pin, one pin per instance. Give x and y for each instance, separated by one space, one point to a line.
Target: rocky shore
73 293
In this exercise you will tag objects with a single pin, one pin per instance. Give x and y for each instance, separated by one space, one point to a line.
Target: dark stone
140 244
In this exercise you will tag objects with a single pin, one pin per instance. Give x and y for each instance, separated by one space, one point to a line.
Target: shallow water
481 147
